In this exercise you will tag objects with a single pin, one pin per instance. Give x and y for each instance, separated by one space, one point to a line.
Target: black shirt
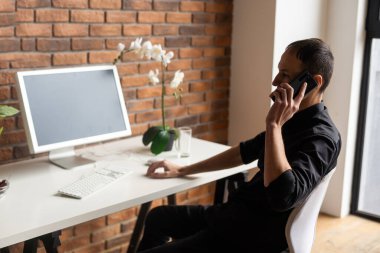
312 145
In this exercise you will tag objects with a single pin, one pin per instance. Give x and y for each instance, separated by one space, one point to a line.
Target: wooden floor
350 234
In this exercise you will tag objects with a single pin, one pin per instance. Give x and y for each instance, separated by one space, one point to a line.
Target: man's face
288 68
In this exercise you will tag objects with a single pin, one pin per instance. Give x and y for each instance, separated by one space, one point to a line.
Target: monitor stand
67 159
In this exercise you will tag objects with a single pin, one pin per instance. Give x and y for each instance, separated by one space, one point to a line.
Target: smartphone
297 82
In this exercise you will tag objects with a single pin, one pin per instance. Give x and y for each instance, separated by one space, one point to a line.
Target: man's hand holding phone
285 105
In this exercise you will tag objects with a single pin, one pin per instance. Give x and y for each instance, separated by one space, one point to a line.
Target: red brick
6 153
24 15
127 69
6 31
190 52
92 248
203 63
182 41
33 3
28 44
219 7
179 65
192 98
74 242
52 15
7 78
192 6
53 44
169 101
69 58
70 3
165 30
145 67
5 94
102 57
151 17
86 16
202 41
218 30
175 112
132 81
203 18
32 60
124 215
7 19
117 241
13 137
88 227
137 30
214 52
217 95
149 92
139 105
176 17
138 4
121 17
148 116
28 30
200 86
7 6
87 44
223 18
109 4
223 41
214 116
8 45
105 30
199 108
165 5
69 30
139 129
192 75
191 30
105 233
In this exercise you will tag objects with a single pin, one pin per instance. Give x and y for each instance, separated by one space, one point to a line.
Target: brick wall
57 33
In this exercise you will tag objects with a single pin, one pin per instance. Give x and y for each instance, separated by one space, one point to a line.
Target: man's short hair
316 56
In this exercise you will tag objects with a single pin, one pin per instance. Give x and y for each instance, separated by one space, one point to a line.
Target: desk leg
220 191
137 231
4 250
172 200
50 241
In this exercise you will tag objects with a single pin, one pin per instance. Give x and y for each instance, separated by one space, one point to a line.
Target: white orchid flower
157 52
145 50
153 77
166 59
135 45
120 47
177 80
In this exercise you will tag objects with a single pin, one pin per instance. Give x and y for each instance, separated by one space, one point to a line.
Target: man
299 147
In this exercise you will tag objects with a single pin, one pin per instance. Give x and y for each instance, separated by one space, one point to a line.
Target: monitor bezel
34 148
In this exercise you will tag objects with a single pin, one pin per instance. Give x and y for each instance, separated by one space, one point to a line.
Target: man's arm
227 159
282 110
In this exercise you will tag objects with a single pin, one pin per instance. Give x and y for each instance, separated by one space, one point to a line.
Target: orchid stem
163 93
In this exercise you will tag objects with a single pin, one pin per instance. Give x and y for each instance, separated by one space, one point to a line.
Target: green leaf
1 130
150 134
6 111
160 142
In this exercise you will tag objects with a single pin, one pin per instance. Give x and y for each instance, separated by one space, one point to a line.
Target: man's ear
319 80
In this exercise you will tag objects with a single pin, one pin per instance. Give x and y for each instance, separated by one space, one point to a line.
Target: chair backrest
300 227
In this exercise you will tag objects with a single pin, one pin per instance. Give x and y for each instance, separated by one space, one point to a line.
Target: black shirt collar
303 117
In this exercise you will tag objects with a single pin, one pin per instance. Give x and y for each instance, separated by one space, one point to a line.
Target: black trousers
180 229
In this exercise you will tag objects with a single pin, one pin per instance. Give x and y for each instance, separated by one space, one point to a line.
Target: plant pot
169 146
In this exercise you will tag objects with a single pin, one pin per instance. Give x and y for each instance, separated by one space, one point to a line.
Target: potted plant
6 111
160 137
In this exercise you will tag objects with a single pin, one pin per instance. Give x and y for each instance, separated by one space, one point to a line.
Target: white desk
32 207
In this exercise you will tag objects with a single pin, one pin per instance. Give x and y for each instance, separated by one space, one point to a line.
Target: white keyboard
93 182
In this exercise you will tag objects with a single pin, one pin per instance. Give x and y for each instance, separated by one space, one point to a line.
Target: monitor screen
72 106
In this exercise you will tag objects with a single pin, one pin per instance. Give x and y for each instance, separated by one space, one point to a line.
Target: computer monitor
63 108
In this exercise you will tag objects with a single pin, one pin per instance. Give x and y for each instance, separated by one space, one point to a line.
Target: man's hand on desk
170 170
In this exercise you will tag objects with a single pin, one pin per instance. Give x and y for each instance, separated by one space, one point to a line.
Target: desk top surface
32 206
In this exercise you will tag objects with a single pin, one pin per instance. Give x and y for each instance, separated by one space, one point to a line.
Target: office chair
301 224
